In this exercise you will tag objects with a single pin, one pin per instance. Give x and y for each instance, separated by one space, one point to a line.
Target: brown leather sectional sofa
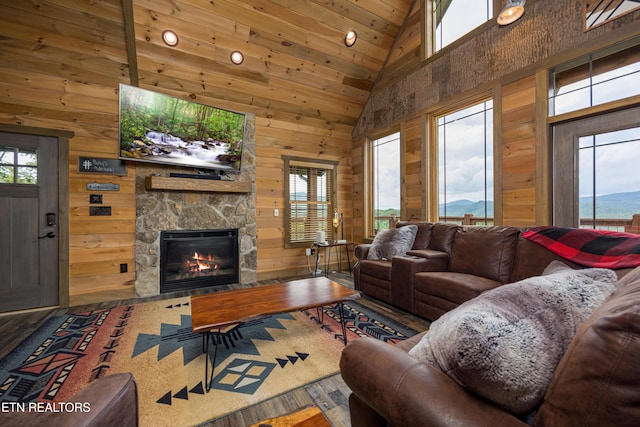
448 265
594 384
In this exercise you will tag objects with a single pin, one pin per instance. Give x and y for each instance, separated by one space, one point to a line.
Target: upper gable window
452 19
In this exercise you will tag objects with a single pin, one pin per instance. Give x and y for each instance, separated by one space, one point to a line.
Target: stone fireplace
160 211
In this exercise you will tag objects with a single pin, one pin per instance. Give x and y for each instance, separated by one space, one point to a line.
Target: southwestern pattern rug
256 361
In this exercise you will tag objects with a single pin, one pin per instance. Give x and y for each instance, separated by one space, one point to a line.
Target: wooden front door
28 221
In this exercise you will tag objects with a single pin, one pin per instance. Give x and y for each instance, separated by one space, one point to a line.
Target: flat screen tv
163 129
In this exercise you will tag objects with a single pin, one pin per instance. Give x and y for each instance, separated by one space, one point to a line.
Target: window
595 80
608 185
452 19
384 186
310 187
18 166
465 165
596 181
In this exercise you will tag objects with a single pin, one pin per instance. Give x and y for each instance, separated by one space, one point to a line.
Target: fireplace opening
192 259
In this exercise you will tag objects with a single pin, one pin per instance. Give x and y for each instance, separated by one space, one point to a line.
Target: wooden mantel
194 184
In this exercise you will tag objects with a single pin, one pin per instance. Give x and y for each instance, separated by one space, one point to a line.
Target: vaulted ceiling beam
130 41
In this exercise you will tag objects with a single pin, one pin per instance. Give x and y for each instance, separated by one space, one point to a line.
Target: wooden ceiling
296 62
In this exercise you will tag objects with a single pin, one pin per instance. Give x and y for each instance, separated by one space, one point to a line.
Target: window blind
310 200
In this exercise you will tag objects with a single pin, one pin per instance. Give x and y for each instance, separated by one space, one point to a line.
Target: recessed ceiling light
170 38
350 38
237 57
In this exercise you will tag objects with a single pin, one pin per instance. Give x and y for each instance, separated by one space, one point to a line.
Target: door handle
49 235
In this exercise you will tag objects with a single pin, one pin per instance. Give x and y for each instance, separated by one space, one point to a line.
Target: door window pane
18 166
609 180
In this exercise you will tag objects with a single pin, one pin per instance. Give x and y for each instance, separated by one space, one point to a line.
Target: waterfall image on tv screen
164 129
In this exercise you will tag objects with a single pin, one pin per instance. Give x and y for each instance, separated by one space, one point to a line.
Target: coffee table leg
209 379
343 321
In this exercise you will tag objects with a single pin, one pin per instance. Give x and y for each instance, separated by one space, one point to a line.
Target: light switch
276 212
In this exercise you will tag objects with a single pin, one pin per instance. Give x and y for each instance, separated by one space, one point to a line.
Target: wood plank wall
63 60
414 174
519 178
60 70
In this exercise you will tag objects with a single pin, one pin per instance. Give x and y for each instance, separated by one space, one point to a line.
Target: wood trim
432 178
498 190
595 110
194 184
403 170
63 222
543 150
130 41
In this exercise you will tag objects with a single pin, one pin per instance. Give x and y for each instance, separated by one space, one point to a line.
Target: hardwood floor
330 394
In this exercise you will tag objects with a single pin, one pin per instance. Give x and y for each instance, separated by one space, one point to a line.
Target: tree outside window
18 166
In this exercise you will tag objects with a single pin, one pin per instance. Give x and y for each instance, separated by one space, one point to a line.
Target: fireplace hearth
192 259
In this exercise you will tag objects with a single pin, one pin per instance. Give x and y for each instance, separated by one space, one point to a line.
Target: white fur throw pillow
505 344
392 242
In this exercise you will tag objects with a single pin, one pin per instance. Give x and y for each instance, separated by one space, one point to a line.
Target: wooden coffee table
211 312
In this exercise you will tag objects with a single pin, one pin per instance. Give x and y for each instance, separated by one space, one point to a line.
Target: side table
327 246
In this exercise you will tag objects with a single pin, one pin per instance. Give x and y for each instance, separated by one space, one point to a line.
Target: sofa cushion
442 236
423 236
454 287
392 242
596 382
485 251
505 344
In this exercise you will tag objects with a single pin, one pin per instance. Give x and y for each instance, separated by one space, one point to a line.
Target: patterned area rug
255 361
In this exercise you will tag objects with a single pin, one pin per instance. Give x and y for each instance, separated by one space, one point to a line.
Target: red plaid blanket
588 247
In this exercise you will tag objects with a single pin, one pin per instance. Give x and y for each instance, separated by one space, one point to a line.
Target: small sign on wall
103 186
100 211
98 165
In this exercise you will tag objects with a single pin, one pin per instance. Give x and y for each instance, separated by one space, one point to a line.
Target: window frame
17 166
580 69
565 151
433 209
369 170
331 167
429 28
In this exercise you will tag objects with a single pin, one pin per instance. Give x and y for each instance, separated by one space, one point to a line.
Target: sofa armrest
439 261
362 250
406 391
403 268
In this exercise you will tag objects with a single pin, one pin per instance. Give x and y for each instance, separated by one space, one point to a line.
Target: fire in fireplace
191 259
